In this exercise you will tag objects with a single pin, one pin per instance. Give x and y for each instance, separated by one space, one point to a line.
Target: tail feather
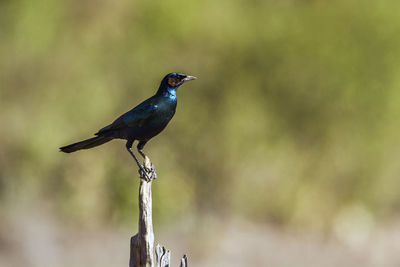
86 144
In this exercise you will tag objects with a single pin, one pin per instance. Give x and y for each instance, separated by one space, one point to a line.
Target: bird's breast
158 121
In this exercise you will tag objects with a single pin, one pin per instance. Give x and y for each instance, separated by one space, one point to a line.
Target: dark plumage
141 123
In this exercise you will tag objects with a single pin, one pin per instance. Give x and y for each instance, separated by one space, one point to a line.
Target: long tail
86 144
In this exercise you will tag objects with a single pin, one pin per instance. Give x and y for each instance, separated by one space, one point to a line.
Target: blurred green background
293 121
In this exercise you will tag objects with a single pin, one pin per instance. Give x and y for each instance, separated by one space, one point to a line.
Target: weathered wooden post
142 244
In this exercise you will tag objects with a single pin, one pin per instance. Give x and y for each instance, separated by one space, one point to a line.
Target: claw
144 174
149 169
153 171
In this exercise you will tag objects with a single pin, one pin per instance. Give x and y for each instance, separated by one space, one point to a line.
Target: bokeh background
285 151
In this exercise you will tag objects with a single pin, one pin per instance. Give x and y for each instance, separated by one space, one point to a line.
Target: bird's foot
152 171
147 171
144 174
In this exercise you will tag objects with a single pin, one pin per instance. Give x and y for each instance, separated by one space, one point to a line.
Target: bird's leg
152 169
142 170
140 147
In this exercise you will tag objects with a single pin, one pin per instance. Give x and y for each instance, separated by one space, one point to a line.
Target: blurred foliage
293 119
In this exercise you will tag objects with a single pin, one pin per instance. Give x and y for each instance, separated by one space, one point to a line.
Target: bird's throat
170 93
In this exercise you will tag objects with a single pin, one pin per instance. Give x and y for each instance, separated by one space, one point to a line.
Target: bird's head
175 79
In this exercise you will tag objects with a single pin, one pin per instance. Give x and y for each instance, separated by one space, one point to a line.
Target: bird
141 123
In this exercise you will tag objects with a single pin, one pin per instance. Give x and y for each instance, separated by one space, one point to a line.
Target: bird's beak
189 78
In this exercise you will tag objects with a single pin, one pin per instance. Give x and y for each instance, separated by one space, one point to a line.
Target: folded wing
135 117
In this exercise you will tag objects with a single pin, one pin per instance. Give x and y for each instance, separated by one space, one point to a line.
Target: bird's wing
135 117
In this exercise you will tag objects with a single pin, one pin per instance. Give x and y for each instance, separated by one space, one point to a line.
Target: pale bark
142 244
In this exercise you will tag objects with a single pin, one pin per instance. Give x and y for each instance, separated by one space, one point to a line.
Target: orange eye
173 82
